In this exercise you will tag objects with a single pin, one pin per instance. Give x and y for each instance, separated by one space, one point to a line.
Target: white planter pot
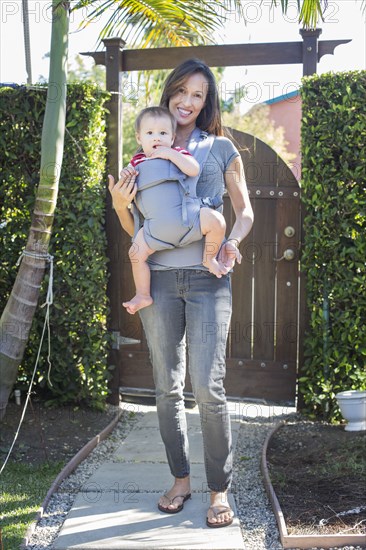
353 408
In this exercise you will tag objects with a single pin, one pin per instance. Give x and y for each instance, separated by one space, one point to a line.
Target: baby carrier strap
199 146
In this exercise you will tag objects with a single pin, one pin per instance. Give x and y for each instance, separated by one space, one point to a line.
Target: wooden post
113 62
310 50
310 59
113 56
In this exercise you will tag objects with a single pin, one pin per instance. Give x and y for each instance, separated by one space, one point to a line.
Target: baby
163 205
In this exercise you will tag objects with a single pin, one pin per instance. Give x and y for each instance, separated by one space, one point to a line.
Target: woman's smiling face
190 99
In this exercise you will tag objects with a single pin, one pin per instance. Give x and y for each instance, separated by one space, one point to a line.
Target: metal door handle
288 255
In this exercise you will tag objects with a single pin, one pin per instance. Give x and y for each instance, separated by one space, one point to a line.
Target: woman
192 306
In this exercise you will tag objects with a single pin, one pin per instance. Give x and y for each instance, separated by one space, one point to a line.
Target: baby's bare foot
138 302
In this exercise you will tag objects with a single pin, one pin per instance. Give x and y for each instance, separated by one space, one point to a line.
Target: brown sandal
171 500
217 510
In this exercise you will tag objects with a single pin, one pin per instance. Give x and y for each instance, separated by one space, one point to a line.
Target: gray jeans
192 308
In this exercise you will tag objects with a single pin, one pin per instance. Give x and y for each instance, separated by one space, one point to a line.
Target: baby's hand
161 152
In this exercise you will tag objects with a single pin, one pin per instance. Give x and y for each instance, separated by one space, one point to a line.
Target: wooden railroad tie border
300 541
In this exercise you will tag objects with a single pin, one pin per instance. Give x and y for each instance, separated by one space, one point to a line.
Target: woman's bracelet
236 241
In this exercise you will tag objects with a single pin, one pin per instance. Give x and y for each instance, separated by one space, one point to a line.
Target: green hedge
78 316
334 252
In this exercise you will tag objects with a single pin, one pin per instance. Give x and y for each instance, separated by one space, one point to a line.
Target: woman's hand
229 254
124 191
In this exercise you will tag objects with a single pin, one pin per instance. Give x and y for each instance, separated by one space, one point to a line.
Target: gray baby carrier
167 198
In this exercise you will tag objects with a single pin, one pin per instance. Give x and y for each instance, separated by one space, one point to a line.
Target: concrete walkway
117 508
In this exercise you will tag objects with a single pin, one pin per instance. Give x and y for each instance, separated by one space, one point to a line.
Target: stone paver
127 477
133 522
117 506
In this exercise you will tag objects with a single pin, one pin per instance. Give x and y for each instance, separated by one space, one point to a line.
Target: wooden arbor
306 52
254 361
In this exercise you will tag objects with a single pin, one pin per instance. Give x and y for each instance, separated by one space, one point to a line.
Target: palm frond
148 23
311 12
284 4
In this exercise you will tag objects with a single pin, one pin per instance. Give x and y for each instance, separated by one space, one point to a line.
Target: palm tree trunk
17 317
27 47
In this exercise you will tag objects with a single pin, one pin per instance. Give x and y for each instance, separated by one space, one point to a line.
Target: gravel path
48 527
258 523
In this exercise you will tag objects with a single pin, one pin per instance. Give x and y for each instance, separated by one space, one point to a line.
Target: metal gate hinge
119 340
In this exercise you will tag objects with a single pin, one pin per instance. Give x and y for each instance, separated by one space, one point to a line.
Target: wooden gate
263 342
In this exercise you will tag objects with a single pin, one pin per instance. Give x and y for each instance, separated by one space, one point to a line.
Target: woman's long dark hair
209 118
